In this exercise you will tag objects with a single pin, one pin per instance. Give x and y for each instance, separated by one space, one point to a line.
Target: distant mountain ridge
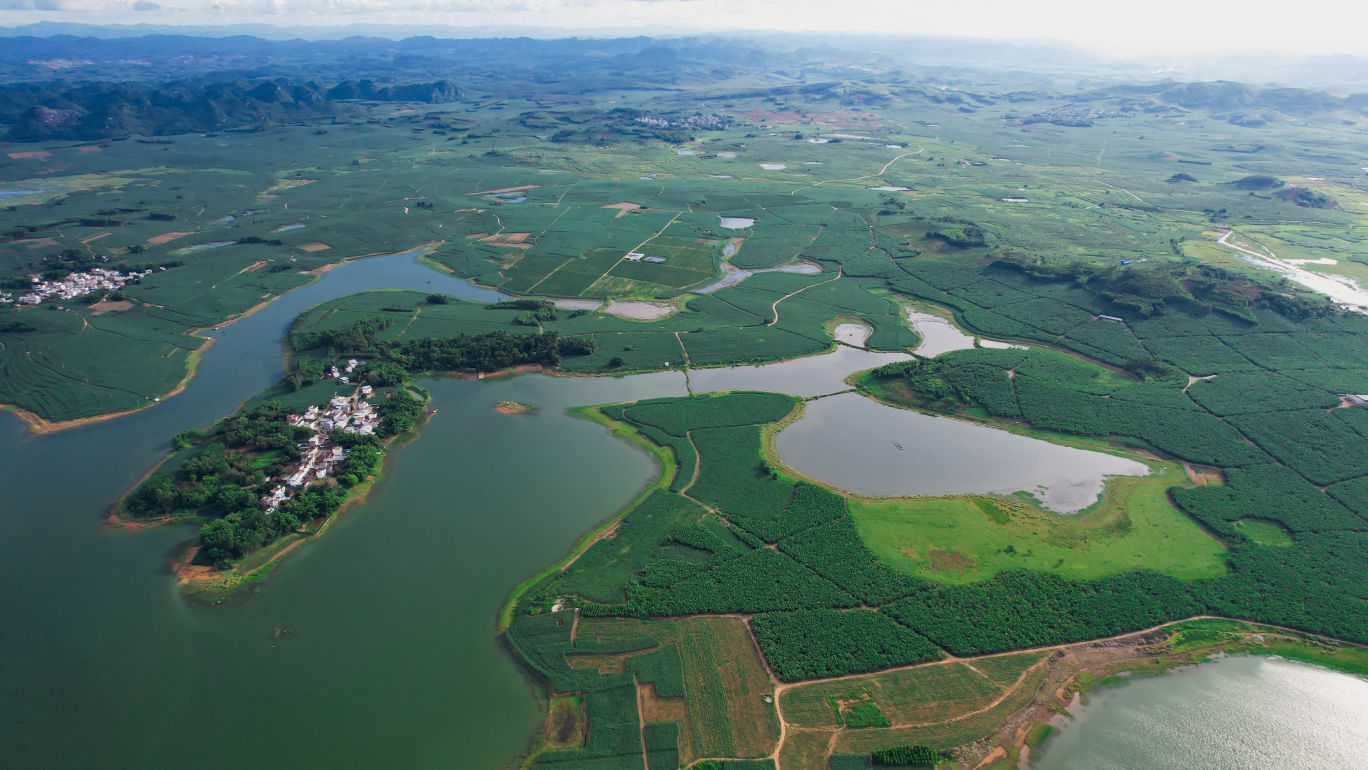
1336 72
104 110
1228 95
168 84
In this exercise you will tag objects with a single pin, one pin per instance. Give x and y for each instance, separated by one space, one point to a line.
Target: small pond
851 334
869 448
732 275
941 336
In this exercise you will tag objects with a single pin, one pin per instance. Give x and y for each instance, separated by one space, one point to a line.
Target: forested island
294 456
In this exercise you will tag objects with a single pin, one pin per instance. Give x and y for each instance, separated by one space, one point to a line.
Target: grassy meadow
968 539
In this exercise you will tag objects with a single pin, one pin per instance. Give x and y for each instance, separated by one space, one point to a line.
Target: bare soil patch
566 725
624 208
186 569
654 708
97 237
639 310
255 266
604 664
311 247
158 240
949 561
30 155
107 306
286 184
511 240
502 190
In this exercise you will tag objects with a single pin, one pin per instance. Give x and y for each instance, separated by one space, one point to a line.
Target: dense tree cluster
915 755
229 538
811 644
487 352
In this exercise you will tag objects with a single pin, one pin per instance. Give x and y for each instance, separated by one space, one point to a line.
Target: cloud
79 6
326 8
1135 29
67 5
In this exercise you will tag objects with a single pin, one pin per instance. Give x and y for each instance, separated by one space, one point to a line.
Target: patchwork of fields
739 617
239 218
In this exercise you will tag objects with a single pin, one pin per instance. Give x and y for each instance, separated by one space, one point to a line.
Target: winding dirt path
641 723
780 687
693 479
774 308
1124 190
875 175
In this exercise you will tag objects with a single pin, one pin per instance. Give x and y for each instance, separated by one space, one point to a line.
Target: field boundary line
641 723
638 247
540 281
880 172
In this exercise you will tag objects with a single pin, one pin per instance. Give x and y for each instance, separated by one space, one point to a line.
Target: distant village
690 122
1074 115
75 285
321 457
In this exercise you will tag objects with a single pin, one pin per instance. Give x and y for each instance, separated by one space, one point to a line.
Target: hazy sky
1123 28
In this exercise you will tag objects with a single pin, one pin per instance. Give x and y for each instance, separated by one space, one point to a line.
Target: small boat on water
899 446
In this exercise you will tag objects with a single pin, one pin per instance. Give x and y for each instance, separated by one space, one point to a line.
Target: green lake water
372 647
1236 713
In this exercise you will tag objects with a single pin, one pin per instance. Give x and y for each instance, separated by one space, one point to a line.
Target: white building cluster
343 374
76 285
349 414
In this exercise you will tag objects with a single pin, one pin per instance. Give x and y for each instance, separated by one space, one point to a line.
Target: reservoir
373 646
1235 712
872 449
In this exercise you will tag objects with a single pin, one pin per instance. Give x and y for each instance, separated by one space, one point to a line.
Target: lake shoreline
665 474
1187 645
38 425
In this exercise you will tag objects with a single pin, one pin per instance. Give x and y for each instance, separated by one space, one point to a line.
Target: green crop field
243 216
947 727
705 677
